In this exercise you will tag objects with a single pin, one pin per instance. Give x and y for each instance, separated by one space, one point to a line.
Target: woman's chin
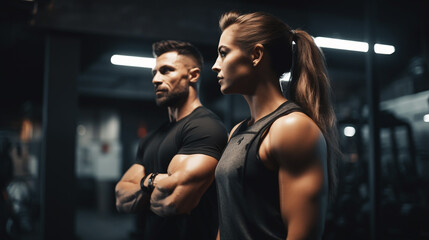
224 90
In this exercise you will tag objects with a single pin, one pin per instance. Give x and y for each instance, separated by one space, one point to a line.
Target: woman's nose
216 66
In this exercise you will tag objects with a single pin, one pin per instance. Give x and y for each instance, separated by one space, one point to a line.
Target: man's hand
159 203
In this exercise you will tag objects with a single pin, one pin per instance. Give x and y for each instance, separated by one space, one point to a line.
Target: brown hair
182 48
309 86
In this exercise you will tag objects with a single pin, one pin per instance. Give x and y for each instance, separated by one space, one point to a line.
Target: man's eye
165 70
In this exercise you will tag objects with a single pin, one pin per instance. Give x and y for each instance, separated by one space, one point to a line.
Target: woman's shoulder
295 122
295 132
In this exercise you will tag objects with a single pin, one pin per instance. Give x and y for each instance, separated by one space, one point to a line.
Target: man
171 183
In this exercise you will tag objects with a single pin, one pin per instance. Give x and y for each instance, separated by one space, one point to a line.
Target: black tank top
248 192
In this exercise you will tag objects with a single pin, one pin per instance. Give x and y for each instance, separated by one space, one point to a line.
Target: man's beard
174 99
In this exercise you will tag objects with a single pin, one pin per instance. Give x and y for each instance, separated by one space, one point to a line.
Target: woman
274 176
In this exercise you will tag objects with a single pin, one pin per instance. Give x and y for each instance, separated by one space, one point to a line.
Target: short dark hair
182 48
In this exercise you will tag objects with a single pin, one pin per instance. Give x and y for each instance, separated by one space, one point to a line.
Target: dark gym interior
70 120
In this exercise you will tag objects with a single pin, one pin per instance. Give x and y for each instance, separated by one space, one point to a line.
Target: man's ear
194 74
257 54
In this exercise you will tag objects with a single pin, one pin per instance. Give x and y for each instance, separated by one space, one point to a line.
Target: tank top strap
240 127
264 124
284 109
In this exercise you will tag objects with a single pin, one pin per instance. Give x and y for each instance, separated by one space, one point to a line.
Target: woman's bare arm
298 147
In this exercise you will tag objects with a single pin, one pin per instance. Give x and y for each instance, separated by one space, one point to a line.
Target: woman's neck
264 100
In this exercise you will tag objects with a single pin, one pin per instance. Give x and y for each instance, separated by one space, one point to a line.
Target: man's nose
157 79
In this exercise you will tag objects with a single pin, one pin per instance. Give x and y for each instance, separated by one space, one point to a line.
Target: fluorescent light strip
341 44
384 49
132 61
352 45
324 42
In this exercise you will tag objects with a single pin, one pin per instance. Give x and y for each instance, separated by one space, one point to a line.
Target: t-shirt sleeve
142 147
204 136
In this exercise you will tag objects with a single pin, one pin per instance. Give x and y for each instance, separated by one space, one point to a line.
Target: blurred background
70 120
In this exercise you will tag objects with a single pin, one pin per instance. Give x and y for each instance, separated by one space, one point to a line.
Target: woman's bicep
301 202
299 149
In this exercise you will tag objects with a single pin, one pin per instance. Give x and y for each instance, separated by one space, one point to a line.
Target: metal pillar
57 168
374 125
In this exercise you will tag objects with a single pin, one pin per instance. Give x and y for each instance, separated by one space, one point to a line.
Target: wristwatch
144 189
150 181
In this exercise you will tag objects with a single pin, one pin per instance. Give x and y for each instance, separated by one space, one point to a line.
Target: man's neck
179 112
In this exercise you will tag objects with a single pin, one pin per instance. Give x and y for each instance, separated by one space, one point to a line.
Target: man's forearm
130 198
177 194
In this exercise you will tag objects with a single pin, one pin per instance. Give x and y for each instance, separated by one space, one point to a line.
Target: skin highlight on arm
189 176
298 148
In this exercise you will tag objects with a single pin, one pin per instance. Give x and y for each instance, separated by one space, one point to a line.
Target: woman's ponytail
310 89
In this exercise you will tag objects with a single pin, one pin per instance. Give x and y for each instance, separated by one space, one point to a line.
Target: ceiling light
132 61
384 49
426 118
341 44
349 45
349 131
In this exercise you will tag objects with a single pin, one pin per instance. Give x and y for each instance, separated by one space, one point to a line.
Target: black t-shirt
201 132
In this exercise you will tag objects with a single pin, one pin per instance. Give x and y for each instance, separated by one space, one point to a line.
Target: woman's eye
222 53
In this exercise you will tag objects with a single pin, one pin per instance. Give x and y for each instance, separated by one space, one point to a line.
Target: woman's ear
194 74
257 53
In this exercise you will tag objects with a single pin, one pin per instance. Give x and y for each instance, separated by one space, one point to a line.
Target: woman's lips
219 79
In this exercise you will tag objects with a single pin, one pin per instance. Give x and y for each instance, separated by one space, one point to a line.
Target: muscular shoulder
205 120
202 133
294 137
